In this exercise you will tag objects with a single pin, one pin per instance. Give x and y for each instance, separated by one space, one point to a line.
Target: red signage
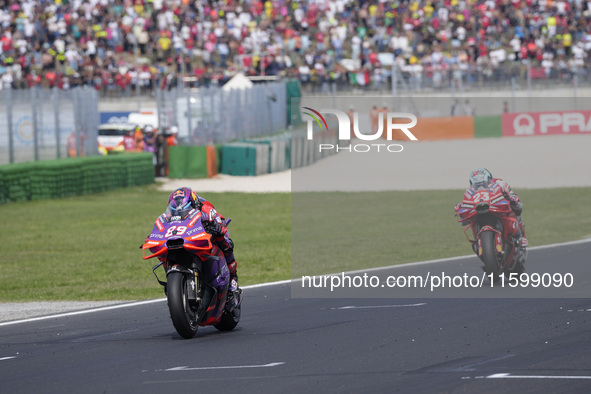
542 123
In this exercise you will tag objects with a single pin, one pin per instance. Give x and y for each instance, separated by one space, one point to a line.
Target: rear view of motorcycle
197 276
495 237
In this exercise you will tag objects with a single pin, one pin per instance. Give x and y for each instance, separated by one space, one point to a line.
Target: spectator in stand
143 41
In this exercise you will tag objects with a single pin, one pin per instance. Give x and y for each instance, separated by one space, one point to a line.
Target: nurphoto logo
345 130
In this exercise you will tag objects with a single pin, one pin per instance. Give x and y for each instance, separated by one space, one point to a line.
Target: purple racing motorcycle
197 277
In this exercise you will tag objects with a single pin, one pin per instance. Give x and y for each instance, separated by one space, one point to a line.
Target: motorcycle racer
482 178
184 200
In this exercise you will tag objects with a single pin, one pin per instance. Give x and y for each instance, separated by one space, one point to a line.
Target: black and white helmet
480 178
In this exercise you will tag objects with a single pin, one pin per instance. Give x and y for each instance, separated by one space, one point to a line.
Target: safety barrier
252 157
440 128
212 160
518 124
293 149
193 161
487 126
279 151
187 162
301 150
75 176
526 124
243 158
305 152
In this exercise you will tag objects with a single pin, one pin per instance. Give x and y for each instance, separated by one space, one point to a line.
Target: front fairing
493 197
174 232
487 206
171 234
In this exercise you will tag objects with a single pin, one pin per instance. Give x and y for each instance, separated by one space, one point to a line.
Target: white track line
582 241
104 308
509 376
380 306
281 282
224 367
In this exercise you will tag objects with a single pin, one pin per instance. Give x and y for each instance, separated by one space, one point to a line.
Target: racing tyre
519 267
516 271
184 318
231 316
489 254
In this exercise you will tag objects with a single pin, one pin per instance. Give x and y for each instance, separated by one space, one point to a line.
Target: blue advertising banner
114 117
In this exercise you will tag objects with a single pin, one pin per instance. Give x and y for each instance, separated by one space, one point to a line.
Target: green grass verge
337 232
87 248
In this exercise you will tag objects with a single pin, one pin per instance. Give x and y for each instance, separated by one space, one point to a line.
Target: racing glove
517 207
213 221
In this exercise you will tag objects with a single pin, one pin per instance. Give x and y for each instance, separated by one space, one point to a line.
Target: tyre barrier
243 158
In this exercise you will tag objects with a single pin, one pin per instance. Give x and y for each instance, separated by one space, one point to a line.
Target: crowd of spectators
123 45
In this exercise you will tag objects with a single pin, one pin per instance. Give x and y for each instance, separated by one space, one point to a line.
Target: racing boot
524 242
234 292
521 242
233 276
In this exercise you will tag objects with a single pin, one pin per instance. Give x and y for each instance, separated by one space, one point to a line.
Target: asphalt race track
286 344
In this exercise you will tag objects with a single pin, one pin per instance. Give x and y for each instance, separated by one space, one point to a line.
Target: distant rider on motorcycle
482 178
214 223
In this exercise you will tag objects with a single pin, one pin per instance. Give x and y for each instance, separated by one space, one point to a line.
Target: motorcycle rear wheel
184 319
489 255
518 269
230 319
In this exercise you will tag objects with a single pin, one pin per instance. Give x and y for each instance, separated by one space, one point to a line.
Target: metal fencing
450 79
216 115
40 124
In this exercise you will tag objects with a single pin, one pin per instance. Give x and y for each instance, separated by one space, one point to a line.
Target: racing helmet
480 178
181 201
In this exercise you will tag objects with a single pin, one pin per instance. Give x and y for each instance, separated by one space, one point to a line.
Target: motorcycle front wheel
489 254
184 317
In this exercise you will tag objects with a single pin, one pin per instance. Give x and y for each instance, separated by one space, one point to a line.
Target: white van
144 118
110 136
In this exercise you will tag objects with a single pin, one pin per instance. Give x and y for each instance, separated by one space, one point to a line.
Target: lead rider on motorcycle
214 223
482 178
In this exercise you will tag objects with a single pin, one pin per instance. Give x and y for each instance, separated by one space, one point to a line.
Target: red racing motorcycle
496 238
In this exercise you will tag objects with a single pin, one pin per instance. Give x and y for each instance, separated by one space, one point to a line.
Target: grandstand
125 47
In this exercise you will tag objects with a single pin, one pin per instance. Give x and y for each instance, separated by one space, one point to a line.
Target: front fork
508 253
154 268
498 241
477 243
193 284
